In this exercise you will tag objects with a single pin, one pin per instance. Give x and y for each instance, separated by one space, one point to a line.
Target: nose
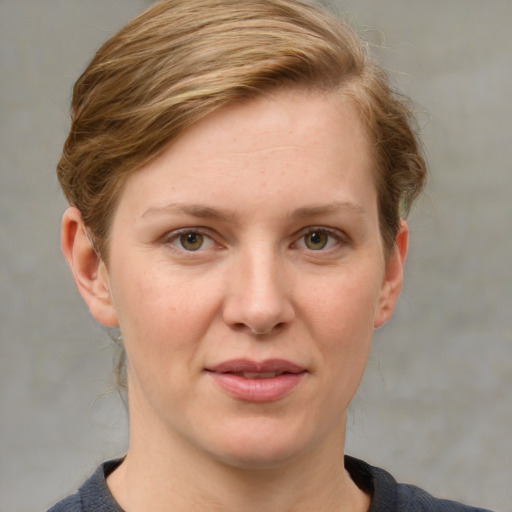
258 300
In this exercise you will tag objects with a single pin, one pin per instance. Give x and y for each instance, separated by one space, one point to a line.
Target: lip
250 381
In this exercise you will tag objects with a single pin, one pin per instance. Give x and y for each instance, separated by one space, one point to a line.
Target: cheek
346 304
161 312
341 318
163 320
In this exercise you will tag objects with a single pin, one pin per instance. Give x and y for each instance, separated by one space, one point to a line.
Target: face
247 273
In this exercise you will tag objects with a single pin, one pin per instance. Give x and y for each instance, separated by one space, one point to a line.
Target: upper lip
266 366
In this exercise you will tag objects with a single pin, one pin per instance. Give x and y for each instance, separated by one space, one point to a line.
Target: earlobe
89 270
393 278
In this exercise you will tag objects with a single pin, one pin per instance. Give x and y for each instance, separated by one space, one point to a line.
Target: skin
254 180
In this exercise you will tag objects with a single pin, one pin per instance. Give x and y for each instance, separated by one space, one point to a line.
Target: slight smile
252 381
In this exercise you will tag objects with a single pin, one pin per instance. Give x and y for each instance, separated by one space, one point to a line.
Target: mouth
252 381
256 375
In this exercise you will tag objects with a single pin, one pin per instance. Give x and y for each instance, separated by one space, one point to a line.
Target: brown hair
181 60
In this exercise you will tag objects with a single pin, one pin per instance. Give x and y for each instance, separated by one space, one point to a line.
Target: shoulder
390 496
69 504
93 495
414 499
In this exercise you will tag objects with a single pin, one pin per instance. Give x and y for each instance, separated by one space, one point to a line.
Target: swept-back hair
181 60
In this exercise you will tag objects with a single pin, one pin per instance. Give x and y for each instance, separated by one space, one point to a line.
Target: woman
238 172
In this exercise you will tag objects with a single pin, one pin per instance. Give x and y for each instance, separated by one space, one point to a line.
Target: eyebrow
194 210
207 212
323 209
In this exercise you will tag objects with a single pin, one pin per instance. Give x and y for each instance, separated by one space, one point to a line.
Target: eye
191 241
318 239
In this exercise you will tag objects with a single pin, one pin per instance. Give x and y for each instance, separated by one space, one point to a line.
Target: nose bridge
258 299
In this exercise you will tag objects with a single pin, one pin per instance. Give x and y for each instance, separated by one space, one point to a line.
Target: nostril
257 316
257 331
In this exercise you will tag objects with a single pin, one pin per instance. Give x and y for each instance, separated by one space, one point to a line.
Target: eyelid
341 237
170 237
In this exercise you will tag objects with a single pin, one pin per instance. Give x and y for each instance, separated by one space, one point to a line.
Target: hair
181 60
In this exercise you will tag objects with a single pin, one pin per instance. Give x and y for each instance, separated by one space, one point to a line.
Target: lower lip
257 390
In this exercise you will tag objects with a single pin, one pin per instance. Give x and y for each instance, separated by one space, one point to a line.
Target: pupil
191 241
316 240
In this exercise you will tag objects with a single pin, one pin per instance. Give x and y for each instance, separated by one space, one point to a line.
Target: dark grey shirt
387 494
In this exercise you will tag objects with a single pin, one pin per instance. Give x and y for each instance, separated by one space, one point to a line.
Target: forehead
282 146
296 115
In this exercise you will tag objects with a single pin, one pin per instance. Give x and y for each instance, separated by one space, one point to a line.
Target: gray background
435 407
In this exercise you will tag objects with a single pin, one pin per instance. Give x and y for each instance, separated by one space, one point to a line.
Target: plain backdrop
435 407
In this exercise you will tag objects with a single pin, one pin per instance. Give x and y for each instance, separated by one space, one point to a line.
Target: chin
263 445
258 457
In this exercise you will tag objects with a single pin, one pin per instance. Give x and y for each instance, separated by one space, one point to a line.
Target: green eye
316 240
191 241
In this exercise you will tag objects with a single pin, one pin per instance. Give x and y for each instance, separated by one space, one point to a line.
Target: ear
393 278
89 270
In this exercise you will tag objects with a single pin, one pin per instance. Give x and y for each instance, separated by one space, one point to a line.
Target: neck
163 471
152 478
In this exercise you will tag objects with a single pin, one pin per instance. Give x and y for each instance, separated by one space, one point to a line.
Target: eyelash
173 239
339 237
